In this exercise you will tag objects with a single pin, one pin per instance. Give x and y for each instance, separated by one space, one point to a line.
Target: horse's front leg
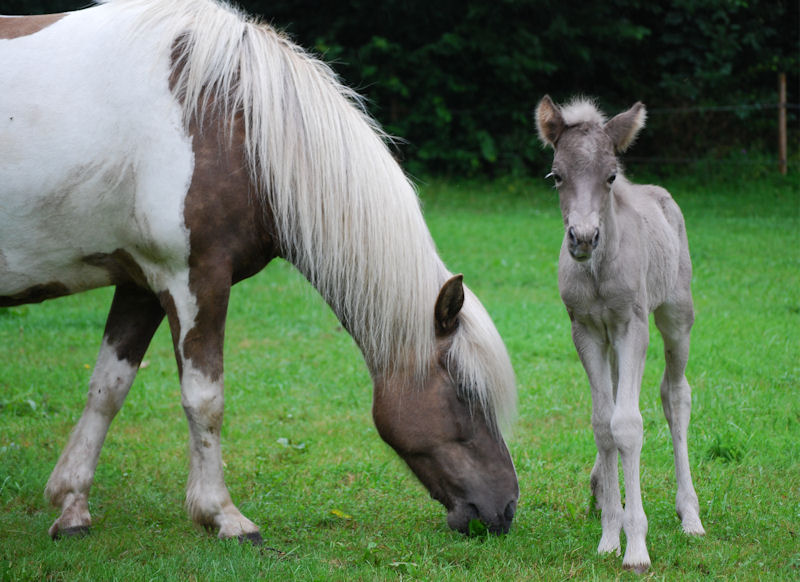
630 339
197 319
593 352
134 316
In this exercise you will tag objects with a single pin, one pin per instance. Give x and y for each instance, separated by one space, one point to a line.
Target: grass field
334 503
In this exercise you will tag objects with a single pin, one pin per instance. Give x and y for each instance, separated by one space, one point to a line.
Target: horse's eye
556 178
611 179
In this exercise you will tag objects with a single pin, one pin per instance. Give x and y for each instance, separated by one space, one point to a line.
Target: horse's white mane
347 216
582 110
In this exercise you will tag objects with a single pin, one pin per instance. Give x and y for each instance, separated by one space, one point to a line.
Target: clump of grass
726 447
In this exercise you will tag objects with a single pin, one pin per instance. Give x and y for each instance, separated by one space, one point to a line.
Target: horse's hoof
78 531
252 537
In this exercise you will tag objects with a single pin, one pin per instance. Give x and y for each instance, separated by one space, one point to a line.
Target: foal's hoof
78 531
637 568
692 526
252 537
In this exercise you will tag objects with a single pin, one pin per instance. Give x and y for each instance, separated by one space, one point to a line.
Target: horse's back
94 159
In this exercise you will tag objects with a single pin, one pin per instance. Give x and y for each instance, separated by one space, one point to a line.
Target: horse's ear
623 128
448 306
549 122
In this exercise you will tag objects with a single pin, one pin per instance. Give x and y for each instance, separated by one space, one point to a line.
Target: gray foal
625 255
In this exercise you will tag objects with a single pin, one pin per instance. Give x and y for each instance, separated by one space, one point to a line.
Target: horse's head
449 438
585 164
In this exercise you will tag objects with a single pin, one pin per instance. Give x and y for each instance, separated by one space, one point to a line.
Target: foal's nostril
596 238
571 234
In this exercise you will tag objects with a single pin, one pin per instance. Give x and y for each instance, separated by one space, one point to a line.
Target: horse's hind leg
197 320
134 316
674 322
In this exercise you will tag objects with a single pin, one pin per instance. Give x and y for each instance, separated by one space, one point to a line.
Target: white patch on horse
110 181
207 497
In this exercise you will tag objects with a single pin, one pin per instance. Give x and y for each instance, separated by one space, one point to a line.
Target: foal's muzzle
582 241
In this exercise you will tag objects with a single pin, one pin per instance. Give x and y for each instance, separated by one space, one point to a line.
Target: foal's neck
609 231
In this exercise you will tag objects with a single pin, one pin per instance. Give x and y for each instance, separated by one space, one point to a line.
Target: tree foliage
458 80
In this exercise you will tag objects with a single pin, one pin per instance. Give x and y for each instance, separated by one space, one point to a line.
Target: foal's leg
197 319
593 352
630 340
674 322
133 319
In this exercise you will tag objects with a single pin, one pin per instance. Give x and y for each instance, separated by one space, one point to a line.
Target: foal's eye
556 178
611 179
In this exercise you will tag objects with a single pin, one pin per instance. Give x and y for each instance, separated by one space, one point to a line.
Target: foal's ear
448 306
623 128
549 122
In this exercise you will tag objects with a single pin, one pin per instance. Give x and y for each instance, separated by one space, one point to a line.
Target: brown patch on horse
134 316
120 265
17 26
230 236
168 305
35 294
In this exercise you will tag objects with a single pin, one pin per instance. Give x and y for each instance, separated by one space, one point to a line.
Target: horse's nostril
508 514
472 512
596 238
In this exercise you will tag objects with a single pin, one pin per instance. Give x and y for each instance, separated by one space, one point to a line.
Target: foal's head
447 433
585 164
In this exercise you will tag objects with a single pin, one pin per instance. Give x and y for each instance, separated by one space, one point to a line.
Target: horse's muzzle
462 516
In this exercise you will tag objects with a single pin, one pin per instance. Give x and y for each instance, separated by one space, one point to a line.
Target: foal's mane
582 110
347 216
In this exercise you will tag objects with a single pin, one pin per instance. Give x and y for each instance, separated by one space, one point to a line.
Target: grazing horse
172 149
625 255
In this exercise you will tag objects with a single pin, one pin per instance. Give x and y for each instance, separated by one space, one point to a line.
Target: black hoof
79 531
253 538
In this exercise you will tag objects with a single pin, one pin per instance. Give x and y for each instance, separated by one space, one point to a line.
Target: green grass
334 503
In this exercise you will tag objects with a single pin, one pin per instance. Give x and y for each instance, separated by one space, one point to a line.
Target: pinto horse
625 255
172 149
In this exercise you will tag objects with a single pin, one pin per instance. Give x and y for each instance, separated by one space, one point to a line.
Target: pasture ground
304 460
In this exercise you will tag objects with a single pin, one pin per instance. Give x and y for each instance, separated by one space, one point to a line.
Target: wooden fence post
782 122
